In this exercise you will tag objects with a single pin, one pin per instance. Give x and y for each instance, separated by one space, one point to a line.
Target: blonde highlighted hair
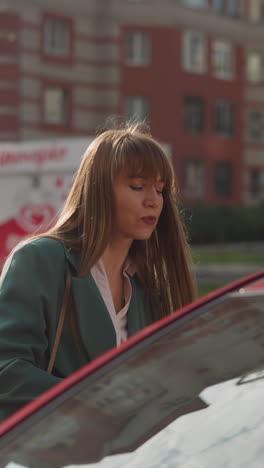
163 261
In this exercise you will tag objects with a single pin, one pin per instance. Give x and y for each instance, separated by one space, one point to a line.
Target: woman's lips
149 219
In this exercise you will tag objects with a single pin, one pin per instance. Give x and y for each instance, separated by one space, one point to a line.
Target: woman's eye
133 187
160 192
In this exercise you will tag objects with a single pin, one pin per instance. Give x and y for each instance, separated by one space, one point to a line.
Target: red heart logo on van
32 216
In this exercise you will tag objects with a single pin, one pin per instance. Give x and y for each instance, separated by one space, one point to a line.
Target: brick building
194 68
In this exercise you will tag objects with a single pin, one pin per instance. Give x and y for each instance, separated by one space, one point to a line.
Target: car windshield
227 434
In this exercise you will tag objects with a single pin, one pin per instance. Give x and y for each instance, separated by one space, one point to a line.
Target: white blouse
119 319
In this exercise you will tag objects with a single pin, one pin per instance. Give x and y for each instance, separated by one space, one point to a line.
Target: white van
35 178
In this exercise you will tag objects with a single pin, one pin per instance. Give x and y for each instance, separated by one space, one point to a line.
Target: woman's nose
151 198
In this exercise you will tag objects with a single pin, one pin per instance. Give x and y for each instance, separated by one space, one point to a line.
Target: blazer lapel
95 325
137 318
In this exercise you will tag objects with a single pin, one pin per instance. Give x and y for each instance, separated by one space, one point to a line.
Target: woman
121 235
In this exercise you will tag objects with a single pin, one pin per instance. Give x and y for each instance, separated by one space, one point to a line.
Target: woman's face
138 203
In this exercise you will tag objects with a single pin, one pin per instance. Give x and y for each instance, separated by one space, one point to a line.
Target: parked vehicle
35 178
227 434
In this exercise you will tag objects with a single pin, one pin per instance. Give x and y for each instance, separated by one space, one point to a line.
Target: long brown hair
163 261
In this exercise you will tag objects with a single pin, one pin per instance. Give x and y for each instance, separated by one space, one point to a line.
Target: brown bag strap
64 305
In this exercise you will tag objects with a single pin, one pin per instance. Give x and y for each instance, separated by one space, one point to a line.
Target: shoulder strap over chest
62 314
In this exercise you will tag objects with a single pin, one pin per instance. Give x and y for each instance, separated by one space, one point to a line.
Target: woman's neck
114 258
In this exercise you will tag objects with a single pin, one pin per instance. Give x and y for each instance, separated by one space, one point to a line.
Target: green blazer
31 292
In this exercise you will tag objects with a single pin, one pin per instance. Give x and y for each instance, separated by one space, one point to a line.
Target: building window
137 108
138 48
193 114
57 37
222 59
218 5
194 52
233 8
256 10
194 178
9 41
223 179
56 103
223 117
254 67
8 36
226 7
195 3
254 182
255 124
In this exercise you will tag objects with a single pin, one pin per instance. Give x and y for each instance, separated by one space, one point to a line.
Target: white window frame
254 72
138 48
137 108
222 59
55 105
255 11
57 37
194 178
187 54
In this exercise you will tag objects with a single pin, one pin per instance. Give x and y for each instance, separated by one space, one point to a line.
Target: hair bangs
141 156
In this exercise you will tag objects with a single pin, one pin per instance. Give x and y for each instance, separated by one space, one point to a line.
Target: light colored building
60 70
253 123
193 67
